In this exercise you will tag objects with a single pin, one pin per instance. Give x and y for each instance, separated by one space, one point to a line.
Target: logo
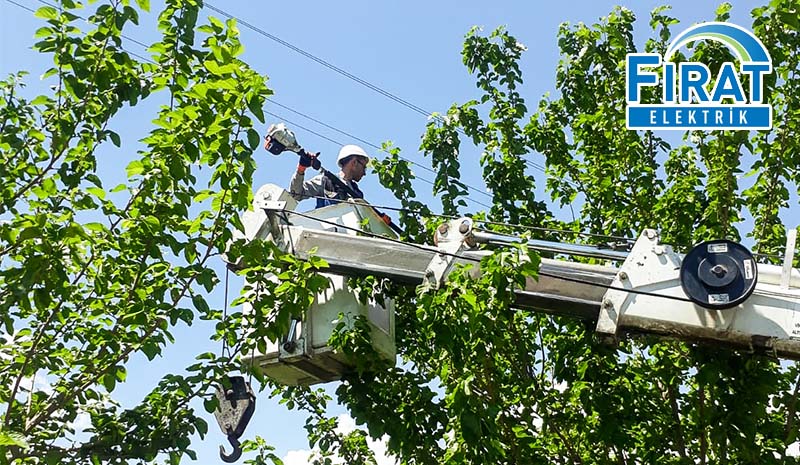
690 98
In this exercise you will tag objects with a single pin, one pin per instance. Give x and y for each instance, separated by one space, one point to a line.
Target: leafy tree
93 275
518 387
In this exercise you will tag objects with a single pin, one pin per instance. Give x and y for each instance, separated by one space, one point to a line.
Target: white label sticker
718 298
748 269
717 248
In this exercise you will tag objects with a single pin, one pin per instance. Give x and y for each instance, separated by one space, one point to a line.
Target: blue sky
411 49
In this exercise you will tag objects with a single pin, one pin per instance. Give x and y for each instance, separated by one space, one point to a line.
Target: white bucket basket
303 357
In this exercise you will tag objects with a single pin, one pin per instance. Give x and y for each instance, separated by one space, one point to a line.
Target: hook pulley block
237 402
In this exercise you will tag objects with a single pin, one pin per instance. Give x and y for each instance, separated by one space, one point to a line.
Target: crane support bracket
646 296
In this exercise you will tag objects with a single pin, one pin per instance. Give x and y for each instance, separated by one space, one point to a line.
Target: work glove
308 160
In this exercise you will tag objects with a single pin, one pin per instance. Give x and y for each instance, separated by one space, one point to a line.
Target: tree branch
673 403
701 393
791 413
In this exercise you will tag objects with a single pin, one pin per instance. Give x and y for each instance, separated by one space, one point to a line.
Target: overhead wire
295 124
322 62
327 64
366 142
368 85
345 73
21 6
312 57
142 44
304 115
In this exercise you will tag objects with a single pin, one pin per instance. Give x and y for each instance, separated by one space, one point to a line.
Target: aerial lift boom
723 296
715 294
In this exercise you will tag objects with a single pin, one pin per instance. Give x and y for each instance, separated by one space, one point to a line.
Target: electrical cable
493 223
482 204
370 86
21 6
322 62
332 67
476 260
347 74
478 202
375 146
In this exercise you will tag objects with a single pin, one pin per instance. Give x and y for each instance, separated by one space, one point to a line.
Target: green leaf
255 107
12 438
218 26
97 192
144 4
213 67
41 99
115 138
150 350
135 167
121 373
200 303
211 404
109 381
202 195
253 138
29 233
46 12
470 427
202 426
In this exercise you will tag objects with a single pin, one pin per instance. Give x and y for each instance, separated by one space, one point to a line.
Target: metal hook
235 455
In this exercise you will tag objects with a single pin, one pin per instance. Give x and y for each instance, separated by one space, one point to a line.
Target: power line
339 143
375 146
142 44
322 62
334 68
21 6
494 223
345 73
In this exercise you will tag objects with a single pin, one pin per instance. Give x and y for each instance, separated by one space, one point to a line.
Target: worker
352 161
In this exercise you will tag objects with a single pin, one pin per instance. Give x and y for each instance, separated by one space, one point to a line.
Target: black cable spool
718 274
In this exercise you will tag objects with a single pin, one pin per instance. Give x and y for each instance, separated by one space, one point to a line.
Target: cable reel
718 274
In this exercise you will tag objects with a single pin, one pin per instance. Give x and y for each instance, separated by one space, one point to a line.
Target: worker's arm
300 189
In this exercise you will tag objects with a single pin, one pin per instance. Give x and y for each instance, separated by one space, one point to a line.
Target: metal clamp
451 238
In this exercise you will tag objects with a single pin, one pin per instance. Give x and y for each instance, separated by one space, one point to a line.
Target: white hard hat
349 150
